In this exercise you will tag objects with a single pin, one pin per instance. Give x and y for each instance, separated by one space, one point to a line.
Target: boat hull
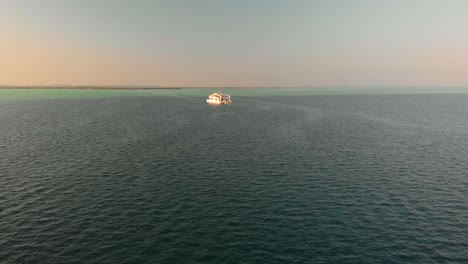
213 102
216 102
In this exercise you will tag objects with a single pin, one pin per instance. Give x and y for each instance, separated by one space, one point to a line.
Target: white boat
219 98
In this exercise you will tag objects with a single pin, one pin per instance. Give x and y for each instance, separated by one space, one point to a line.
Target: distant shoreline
85 88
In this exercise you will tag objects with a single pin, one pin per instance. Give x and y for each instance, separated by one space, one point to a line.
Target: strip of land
90 87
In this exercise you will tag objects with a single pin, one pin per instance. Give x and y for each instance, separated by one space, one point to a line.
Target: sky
237 43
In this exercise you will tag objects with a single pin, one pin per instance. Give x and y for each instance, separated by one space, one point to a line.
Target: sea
294 175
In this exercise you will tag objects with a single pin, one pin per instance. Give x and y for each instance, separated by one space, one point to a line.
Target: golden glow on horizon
234 43
27 59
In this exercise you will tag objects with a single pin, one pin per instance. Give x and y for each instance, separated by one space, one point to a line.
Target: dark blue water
314 179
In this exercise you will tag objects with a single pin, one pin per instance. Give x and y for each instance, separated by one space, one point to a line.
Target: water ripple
318 179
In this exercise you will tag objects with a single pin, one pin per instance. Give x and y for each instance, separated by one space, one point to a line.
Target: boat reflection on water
219 98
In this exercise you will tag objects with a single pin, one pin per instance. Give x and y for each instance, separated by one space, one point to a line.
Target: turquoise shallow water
272 178
49 94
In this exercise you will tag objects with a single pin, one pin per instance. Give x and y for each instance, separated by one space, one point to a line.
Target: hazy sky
234 43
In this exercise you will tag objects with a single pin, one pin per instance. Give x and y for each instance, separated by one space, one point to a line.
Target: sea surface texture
347 178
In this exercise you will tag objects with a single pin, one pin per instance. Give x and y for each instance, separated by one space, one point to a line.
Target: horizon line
58 86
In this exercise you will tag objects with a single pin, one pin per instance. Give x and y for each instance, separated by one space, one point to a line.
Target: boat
219 98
